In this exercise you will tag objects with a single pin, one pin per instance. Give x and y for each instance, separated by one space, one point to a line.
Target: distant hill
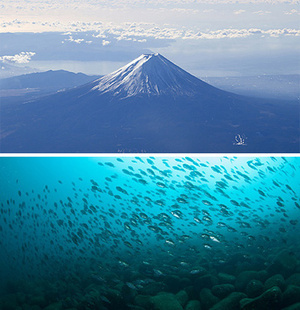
34 85
8 70
263 86
42 83
47 80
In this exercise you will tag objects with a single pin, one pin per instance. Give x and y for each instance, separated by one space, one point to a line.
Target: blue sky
205 37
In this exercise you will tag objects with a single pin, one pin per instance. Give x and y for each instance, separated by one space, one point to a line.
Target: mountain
150 105
150 75
48 80
282 87
9 70
41 83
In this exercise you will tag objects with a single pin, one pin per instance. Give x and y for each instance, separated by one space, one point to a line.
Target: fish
150 216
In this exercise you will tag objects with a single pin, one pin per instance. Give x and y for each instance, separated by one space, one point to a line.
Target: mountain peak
150 75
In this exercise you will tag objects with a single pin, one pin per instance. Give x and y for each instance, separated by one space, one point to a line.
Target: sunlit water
91 217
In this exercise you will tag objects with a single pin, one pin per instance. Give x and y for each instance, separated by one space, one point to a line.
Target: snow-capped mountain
151 75
150 105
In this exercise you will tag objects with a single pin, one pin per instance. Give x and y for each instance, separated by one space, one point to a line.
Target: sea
150 232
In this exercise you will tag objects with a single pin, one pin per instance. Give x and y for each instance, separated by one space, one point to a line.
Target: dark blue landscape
150 105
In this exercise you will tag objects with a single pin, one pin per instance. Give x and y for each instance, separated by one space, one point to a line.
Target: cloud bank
119 30
21 4
141 32
21 58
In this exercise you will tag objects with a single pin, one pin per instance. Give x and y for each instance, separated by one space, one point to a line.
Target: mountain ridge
51 79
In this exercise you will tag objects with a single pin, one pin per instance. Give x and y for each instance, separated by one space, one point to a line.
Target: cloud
82 4
185 11
261 12
281 32
140 33
241 33
21 58
103 34
108 32
77 41
239 12
104 42
291 12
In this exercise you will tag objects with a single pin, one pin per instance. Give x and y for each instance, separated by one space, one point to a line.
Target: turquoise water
135 218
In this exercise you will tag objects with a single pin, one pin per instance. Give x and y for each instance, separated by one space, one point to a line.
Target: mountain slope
151 75
150 105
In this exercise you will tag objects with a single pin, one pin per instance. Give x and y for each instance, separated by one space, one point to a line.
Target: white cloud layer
141 32
182 15
21 58
117 30
21 4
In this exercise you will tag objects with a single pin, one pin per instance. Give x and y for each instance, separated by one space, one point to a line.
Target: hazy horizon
204 37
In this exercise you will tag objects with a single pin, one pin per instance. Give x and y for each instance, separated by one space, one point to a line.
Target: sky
204 37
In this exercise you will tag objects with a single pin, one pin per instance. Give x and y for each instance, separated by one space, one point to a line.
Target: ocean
150 232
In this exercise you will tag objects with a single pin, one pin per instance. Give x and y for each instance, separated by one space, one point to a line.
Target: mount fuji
150 75
149 105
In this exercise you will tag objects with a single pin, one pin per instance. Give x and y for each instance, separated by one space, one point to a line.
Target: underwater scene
150 233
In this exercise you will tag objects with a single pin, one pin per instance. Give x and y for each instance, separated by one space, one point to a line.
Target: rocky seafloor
243 282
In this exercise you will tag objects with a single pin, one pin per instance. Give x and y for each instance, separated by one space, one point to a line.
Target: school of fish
153 215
